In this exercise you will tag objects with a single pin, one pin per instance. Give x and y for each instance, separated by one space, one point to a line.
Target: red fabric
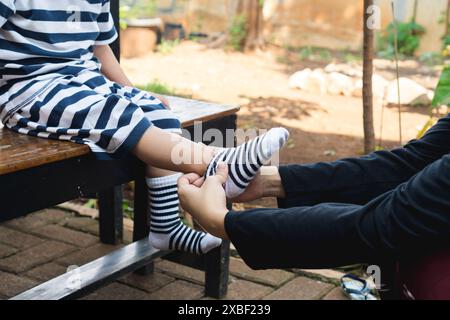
427 278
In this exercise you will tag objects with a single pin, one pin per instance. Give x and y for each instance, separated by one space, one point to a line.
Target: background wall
335 24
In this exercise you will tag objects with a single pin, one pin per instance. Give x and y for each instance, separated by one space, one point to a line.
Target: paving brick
117 291
82 224
11 285
127 236
149 283
336 294
178 290
301 288
239 289
34 256
84 256
38 219
181 272
327 275
273 278
76 238
18 239
46 272
6 250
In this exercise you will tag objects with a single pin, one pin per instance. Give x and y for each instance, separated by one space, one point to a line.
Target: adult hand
206 203
254 191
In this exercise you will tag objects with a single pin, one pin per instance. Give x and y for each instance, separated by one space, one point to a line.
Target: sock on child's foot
246 160
167 231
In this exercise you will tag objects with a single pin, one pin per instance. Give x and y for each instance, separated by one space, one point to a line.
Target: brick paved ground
42 245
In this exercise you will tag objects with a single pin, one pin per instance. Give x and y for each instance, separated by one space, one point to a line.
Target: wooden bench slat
20 152
95 274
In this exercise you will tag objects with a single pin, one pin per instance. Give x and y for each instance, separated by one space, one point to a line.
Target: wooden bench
38 173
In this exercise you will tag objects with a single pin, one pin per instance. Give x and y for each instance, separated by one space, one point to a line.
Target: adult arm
359 180
412 219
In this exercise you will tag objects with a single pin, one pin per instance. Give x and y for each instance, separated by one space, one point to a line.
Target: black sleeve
359 180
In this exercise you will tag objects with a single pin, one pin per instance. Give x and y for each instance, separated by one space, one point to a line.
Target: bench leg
111 215
141 218
216 271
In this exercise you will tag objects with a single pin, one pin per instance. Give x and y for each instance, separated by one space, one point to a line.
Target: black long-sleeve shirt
386 204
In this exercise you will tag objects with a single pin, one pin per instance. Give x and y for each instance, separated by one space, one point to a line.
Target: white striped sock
167 231
245 161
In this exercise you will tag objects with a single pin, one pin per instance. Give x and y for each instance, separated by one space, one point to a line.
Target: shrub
408 35
238 32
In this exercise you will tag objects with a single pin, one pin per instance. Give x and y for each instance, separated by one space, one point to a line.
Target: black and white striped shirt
43 40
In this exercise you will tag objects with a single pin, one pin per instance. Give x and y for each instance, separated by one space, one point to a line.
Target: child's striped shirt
42 40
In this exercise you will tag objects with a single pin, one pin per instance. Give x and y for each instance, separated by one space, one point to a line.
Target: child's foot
245 160
167 231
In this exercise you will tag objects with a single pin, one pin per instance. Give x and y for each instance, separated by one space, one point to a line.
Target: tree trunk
253 11
369 132
447 19
414 16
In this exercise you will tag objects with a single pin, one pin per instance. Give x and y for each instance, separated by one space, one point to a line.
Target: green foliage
442 93
350 57
238 32
408 39
441 97
158 87
315 54
431 58
128 209
167 46
139 10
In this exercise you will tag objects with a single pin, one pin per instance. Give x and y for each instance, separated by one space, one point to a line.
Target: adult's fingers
187 180
222 172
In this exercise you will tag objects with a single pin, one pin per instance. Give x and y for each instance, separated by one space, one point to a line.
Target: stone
301 288
181 272
336 294
77 238
38 219
83 224
316 82
148 283
239 289
178 290
298 80
46 272
6 251
327 275
411 93
339 84
18 239
350 70
117 291
40 254
273 278
379 85
11 285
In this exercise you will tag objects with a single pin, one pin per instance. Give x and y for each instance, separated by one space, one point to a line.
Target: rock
316 82
411 93
379 85
350 70
298 80
339 84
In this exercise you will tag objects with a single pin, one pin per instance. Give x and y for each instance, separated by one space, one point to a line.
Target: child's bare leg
172 152
162 149
167 231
